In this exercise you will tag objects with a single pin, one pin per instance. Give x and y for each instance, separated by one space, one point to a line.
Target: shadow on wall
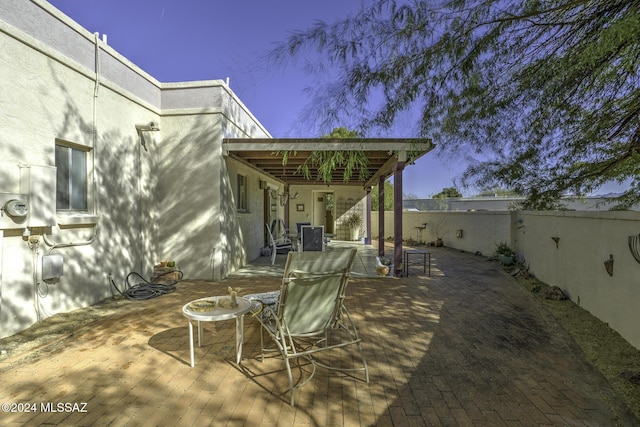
188 191
125 201
163 202
199 222
16 285
232 248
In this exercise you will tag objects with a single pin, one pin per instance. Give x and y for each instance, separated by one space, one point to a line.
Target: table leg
405 264
239 337
199 334
191 344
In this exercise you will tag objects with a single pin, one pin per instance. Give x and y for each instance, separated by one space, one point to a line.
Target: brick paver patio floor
466 346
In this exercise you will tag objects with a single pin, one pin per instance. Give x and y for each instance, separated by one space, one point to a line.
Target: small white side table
218 313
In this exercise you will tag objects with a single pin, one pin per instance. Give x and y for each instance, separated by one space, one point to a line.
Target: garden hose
144 289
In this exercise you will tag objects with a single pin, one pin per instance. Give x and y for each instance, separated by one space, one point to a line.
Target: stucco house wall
47 98
167 199
347 199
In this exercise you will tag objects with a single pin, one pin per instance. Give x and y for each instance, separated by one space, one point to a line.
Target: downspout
94 136
140 203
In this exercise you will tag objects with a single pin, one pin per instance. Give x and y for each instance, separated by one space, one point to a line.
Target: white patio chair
309 316
277 244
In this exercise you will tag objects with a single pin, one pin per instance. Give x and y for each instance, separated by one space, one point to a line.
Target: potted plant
505 254
384 266
354 221
439 227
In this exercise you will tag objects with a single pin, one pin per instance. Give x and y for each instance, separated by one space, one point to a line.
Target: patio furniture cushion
258 301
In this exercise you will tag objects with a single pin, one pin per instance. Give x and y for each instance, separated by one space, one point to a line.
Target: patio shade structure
385 157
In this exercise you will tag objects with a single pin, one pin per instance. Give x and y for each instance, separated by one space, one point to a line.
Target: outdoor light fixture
151 126
284 197
146 127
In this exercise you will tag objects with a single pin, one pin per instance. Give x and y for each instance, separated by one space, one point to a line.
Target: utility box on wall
52 267
39 182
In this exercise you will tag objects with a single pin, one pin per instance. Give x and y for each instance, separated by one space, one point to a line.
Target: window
241 195
71 179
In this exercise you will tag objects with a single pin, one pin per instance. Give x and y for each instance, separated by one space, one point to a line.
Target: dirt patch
57 328
604 348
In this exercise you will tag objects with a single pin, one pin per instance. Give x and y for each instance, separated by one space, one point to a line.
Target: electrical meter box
14 210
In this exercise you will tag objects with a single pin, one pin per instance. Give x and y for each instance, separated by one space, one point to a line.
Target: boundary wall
576 264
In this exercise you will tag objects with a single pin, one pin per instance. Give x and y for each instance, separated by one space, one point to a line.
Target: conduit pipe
94 136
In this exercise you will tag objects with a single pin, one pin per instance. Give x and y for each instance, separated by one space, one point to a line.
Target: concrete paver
466 346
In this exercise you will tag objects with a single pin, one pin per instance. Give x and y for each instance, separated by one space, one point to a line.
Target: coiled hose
144 289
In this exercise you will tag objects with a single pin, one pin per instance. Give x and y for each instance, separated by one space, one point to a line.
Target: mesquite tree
541 97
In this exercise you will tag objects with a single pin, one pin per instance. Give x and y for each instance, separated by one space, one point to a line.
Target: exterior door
323 210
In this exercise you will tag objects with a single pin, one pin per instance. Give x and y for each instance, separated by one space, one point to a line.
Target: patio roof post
381 216
397 217
368 234
286 209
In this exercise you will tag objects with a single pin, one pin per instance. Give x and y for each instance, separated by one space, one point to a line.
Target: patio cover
386 157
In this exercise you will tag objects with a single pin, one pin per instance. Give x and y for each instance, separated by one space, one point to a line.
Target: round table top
222 309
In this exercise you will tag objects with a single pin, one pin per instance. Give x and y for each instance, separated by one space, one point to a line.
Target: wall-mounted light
285 197
556 239
634 247
146 127
608 265
151 126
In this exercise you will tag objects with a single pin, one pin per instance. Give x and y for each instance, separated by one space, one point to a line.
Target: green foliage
503 248
342 132
354 220
539 97
326 162
447 192
388 197
386 261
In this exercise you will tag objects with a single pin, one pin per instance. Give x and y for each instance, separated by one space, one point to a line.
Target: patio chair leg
364 362
286 361
261 343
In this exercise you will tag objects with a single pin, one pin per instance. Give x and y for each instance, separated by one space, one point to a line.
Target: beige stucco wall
480 231
46 97
576 265
245 231
169 200
346 199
